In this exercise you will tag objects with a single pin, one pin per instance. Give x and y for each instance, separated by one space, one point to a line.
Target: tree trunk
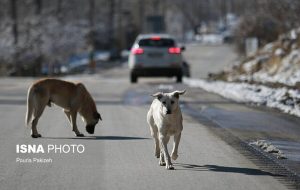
14 17
91 13
38 4
141 16
111 24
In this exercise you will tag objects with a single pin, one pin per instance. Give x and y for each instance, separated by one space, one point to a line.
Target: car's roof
145 36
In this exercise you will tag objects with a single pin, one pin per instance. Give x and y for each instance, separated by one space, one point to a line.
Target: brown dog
72 97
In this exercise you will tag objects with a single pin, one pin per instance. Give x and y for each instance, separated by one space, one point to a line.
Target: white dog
165 120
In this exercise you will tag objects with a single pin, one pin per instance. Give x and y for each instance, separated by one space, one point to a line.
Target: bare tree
266 20
111 19
14 18
38 4
91 13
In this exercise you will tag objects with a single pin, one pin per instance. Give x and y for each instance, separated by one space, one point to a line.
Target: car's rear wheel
179 79
133 78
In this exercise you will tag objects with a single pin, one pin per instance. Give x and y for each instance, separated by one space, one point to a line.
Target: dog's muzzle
169 112
90 129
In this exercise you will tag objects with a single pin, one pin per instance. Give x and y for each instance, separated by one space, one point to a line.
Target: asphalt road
120 155
209 59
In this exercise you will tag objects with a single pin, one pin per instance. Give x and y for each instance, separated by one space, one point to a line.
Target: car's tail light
155 38
137 51
174 50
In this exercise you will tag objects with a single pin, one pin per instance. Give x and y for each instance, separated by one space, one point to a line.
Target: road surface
120 155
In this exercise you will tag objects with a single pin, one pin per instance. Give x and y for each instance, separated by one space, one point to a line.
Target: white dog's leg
154 134
161 159
163 139
175 146
157 149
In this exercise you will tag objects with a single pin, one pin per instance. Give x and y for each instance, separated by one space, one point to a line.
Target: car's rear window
163 42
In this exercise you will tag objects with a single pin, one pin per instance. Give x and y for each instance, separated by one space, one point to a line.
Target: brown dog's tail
29 106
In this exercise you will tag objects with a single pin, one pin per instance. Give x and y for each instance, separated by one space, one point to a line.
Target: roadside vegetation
42 37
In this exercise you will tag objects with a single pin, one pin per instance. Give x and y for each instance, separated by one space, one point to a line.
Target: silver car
155 55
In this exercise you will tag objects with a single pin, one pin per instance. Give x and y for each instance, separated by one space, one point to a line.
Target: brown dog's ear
177 93
97 116
158 95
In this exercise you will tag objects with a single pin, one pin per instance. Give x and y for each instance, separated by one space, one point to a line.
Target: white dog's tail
29 111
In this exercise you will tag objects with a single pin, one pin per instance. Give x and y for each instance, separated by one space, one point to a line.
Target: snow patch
288 73
249 65
279 52
269 148
284 99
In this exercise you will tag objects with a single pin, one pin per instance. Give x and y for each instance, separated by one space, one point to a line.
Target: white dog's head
169 101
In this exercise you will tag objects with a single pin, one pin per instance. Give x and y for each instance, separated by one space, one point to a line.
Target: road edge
261 159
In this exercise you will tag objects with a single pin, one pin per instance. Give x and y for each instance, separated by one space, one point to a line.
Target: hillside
277 64
271 77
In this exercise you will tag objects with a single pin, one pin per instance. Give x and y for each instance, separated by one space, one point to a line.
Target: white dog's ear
158 95
177 93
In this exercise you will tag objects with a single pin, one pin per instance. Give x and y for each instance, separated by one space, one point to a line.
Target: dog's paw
36 135
162 163
174 156
170 167
79 135
157 154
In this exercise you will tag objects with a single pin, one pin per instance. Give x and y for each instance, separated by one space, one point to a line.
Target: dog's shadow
224 169
112 138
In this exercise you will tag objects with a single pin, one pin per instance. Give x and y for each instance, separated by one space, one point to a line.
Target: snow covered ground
287 71
269 148
284 99
277 62
271 77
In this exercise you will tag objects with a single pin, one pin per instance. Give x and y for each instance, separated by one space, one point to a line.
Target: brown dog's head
90 127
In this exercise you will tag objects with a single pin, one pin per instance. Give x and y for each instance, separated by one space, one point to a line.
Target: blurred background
39 37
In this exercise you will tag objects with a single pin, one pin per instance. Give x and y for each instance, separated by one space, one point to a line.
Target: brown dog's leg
68 116
36 116
34 132
74 126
